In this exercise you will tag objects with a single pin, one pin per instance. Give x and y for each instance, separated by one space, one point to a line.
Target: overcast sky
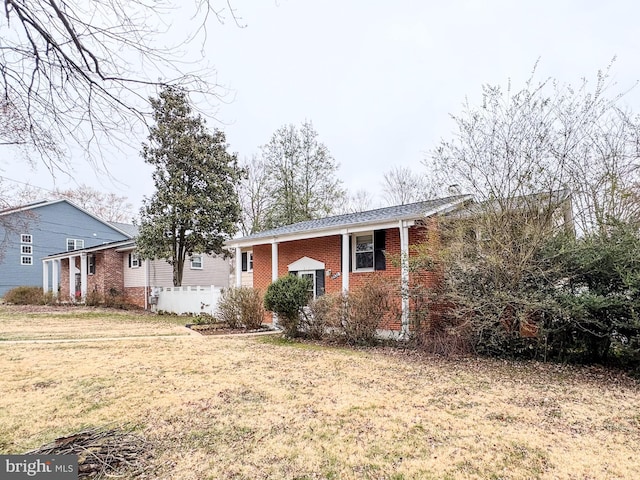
379 79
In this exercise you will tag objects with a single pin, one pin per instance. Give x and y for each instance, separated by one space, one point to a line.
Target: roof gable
122 229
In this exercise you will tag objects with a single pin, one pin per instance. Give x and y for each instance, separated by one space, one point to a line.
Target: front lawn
248 407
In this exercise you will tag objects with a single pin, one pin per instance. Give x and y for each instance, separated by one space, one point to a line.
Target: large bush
241 307
286 297
28 296
363 311
319 320
597 297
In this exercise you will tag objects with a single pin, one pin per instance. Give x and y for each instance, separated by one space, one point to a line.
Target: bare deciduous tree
105 205
401 186
359 201
254 197
301 176
75 72
529 156
544 138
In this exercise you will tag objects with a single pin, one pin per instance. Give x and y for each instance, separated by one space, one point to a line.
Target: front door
311 275
78 286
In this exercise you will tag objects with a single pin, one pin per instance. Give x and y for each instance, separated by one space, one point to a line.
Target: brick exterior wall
328 251
135 296
109 276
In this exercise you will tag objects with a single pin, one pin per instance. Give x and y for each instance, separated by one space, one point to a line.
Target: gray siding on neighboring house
50 225
215 272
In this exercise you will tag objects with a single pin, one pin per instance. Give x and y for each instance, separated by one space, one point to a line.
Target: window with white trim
247 261
196 262
134 260
74 244
26 238
363 253
26 260
91 264
26 249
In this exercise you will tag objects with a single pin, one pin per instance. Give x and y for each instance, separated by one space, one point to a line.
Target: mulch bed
222 329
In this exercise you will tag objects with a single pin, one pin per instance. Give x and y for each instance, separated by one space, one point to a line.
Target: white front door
311 275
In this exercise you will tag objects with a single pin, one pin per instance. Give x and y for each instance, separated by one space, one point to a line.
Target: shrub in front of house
319 320
28 296
362 311
286 297
241 307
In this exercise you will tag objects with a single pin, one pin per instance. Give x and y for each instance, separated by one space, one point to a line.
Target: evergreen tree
195 207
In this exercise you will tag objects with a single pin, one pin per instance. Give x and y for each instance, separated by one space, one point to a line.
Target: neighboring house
31 232
116 269
341 252
344 252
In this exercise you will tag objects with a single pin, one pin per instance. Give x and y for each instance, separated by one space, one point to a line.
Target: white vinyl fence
181 300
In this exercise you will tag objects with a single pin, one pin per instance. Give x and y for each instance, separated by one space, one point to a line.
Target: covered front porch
66 276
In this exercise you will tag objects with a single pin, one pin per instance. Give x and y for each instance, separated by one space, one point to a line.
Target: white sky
378 79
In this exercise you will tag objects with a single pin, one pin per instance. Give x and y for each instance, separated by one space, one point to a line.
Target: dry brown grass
220 408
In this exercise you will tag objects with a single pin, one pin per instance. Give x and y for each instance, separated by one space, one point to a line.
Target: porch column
55 278
404 276
83 276
274 273
72 278
238 267
45 276
345 262
274 261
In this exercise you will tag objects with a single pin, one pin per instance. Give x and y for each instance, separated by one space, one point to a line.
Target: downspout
146 284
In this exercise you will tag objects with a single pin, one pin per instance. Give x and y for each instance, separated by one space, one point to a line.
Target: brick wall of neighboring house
135 296
108 278
64 280
328 251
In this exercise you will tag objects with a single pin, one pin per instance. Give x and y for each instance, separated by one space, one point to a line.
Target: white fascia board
344 229
120 246
290 237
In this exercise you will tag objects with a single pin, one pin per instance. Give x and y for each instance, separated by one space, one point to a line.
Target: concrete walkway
188 333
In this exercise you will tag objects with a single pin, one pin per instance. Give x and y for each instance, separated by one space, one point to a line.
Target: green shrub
286 297
241 307
28 296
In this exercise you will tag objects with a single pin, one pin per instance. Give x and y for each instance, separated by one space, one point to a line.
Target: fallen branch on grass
102 452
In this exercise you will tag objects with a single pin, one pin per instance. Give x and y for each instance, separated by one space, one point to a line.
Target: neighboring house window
26 249
74 244
91 264
364 251
134 260
247 261
196 262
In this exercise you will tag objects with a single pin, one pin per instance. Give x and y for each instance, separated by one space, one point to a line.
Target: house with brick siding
35 230
342 252
116 269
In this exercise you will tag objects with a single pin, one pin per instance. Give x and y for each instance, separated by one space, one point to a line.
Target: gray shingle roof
127 228
380 215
